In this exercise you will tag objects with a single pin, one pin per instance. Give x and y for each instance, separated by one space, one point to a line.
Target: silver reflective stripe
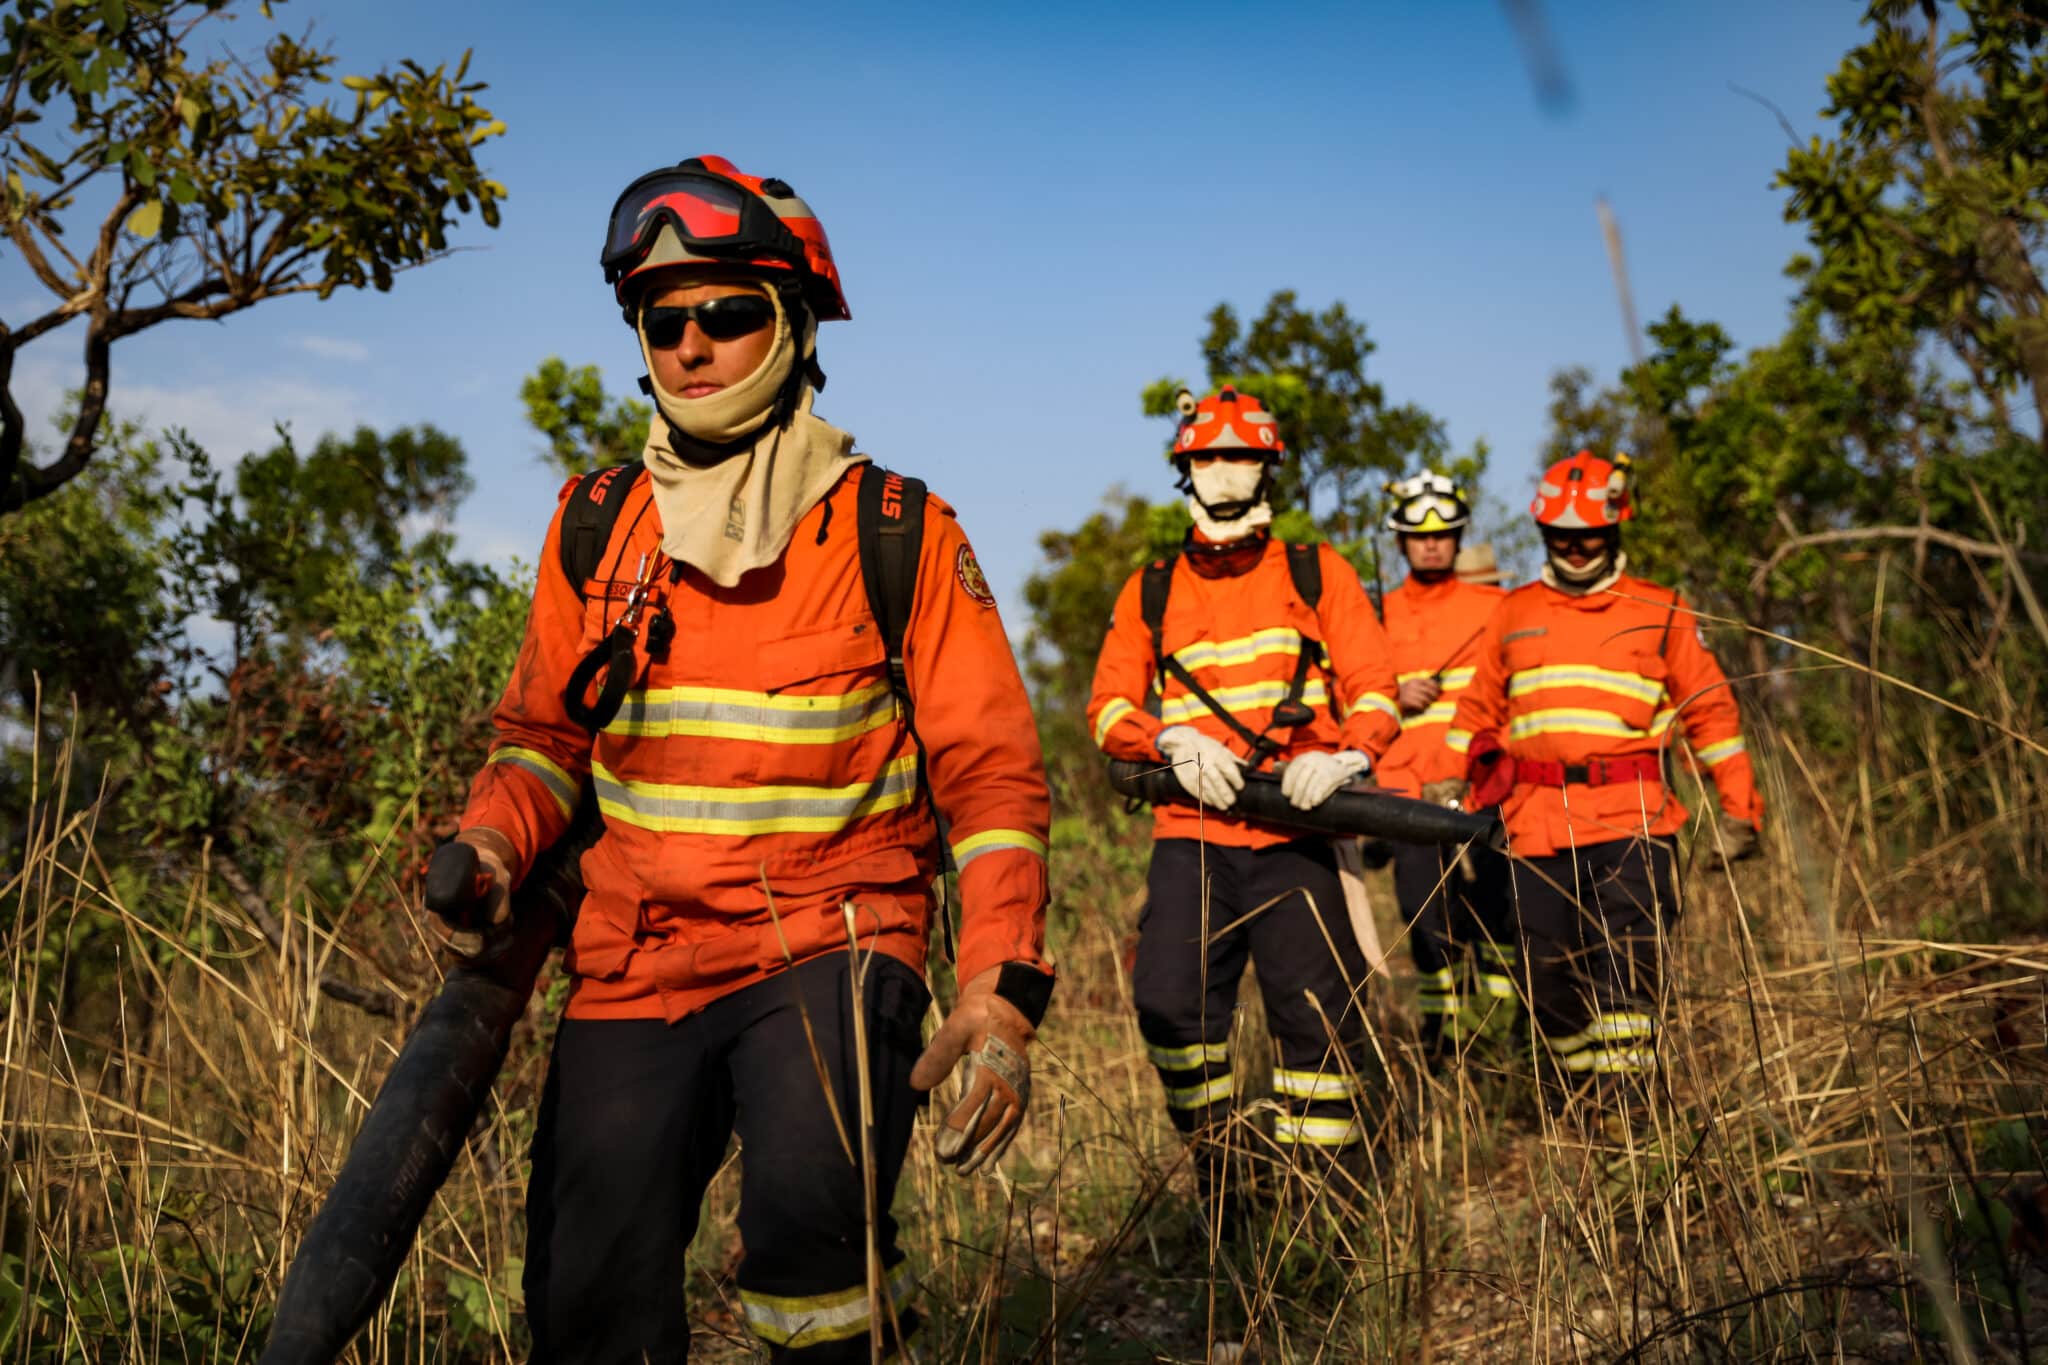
762 717
991 840
797 1321
754 810
1200 1096
551 774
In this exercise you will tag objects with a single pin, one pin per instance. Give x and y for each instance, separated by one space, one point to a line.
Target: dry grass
1844 1159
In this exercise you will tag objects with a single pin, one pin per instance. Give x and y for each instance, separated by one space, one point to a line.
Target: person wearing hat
1240 652
726 644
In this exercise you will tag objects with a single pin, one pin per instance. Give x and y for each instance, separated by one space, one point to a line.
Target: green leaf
182 189
147 219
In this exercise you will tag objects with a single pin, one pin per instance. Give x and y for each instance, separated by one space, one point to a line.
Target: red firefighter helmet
1224 423
708 211
1584 493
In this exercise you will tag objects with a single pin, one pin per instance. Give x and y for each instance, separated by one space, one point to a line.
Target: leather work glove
1452 792
986 1038
1738 840
1314 778
1212 774
1417 693
468 913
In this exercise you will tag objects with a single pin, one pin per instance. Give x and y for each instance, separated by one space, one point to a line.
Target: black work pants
1591 922
634 1121
1461 932
1311 976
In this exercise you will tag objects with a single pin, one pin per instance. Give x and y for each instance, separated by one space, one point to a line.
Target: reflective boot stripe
797 1321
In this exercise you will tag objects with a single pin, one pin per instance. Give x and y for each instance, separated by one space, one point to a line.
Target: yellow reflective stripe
1316 1085
797 1321
1187 1058
754 810
552 775
1496 985
1458 741
762 717
1244 697
1115 711
1722 752
990 840
1609 1061
1606 1028
1661 722
1229 653
1436 713
1200 1096
1570 720
1450 679
1318 1132
1585 675
1375 701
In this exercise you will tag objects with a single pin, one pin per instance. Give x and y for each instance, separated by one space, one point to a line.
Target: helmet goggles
1427 504
712 217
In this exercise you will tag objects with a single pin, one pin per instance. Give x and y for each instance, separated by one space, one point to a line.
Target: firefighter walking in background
1241 650
1453 900
725 648
1581 676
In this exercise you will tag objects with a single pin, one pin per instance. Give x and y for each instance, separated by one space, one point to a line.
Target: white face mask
1224 482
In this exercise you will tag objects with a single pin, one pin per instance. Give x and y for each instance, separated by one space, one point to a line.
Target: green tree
585 429
1928 210
1344 438
147 174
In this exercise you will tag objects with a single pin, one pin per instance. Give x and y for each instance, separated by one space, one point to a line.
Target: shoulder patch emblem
972 580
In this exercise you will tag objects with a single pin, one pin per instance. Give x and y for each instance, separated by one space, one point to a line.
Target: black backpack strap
1154 588
1305 566
591 515
889 528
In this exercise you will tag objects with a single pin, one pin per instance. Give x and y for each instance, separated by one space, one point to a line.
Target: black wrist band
1029 989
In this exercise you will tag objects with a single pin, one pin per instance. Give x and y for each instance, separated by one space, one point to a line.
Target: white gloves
1212 774
1311 779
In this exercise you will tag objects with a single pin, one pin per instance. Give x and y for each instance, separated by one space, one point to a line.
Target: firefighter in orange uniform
717 675
1581 678
1455 905
1241 651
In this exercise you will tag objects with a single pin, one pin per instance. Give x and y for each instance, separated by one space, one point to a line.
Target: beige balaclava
1597 576
1222 483
730 504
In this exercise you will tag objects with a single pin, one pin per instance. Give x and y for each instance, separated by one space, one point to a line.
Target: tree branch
365 998
1923 535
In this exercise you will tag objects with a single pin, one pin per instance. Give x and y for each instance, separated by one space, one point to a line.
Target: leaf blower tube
1351 810
424 1111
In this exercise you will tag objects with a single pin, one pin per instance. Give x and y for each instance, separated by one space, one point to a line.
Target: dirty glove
1452 792
1738 841
470 897
1212 774
1314 778
986 1039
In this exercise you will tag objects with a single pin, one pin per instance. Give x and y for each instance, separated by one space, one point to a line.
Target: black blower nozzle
1352 810
426 1107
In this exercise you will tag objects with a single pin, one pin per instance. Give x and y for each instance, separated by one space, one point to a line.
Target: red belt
1596 772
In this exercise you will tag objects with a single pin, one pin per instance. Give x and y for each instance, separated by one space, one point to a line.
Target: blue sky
1034 207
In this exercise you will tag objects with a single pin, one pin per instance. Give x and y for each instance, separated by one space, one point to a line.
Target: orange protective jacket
1238 629
1567 678
1434 629
767 754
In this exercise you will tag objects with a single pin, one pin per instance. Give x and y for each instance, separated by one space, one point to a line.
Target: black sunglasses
726 318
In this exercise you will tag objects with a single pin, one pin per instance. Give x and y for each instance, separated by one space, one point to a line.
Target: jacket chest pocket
823 706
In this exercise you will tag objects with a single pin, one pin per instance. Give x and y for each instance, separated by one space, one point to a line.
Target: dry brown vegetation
1844 1158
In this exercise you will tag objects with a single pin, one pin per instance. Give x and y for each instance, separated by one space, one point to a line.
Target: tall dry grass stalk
1843 1157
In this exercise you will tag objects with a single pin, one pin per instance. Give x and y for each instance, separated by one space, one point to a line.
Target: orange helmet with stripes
1584 493
1225 423
707 211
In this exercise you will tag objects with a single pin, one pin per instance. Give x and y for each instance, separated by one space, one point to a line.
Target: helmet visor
1428 512
711 215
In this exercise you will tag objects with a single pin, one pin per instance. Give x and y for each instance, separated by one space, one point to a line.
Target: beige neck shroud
728 518
1600 582
1228 481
